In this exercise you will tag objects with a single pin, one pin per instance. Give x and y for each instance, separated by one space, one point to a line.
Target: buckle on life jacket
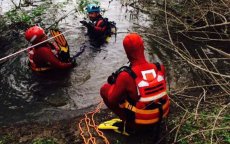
161 109
161 112
128 106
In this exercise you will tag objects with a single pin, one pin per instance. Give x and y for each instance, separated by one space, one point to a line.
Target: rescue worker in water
98 27
44 56
136 93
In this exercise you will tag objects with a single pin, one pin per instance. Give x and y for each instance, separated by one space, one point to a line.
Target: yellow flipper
108 39
109 124
59 38
65 49
62 44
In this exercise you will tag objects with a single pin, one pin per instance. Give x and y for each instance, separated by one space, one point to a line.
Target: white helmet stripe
33 38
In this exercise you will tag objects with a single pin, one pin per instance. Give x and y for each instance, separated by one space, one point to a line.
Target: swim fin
109 124
107 39
116 125
62 44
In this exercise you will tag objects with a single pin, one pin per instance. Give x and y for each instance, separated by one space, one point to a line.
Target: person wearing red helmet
136 93
44 56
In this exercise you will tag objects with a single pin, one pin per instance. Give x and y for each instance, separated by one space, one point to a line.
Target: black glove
84 23
87 24
63 56
90 25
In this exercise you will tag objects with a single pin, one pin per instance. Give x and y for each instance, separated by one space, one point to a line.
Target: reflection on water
25 96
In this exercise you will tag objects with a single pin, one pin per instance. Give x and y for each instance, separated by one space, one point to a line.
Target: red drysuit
125 87
44 57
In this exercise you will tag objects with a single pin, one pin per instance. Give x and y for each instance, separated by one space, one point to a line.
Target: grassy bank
192 39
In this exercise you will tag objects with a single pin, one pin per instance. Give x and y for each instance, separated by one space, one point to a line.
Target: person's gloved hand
90 25
84 23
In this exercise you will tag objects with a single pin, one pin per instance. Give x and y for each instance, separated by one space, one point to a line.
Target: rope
90 123
24 49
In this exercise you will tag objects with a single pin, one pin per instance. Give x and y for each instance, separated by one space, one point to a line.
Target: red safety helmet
35 34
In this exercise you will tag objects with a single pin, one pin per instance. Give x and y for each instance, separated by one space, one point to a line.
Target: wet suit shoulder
116 90
44 53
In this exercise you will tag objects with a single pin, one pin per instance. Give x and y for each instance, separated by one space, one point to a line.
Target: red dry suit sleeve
116 93
100 26
47 55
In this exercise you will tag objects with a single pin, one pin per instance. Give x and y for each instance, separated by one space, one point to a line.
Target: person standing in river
135 93
99 28
44 56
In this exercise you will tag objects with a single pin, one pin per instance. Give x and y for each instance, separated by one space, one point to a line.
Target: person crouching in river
44 56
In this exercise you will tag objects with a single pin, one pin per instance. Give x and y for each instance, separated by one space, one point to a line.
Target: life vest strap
40 69
127 105
151 121
154 97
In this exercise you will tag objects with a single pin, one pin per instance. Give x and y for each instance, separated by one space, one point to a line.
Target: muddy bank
68 132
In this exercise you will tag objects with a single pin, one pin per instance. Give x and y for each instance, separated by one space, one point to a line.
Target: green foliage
44 141
203 122
227 139
5 139
83 3
2 24
19 15
227 118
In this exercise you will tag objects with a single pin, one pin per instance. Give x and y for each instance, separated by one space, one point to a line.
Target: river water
26 96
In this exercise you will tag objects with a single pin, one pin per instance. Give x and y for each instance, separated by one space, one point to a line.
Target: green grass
199 131
44 141
6 139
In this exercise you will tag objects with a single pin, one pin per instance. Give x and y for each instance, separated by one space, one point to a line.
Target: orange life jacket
153 104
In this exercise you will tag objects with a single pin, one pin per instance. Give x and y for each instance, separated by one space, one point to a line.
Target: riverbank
68 132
